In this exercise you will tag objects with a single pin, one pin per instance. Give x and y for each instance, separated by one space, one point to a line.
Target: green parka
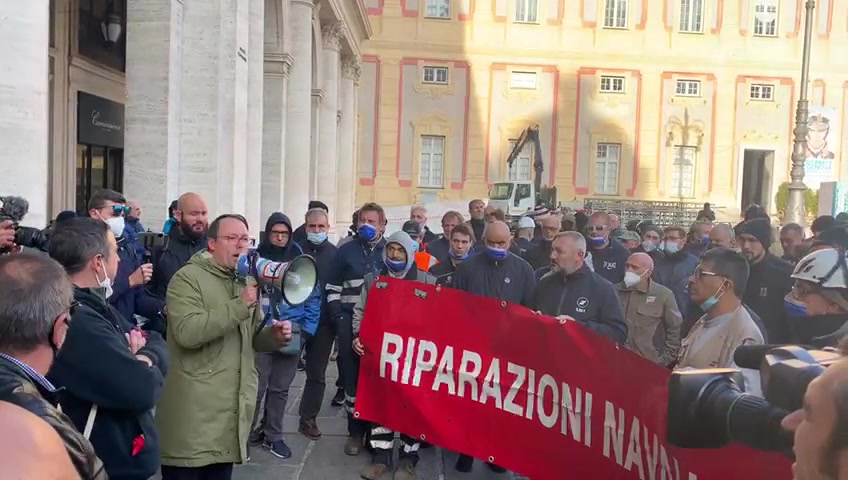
209 397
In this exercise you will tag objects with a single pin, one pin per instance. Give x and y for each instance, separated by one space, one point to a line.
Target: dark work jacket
539 255
510 279
325 260
477 226
768 282
167 261
19 388
439 248
137 300
520 247
444 272
673 272
609 261
429 237
587 297
299 234
96 367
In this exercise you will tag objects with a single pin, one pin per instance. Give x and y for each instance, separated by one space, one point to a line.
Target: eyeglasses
238 240
280 234
698 274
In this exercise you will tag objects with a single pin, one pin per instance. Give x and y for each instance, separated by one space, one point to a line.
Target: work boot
464 463
353 446
405 470
338 398
374 471
309 428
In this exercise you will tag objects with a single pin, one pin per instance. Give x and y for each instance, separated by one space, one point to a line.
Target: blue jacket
354 260
168 224
132 301
673 272
325 260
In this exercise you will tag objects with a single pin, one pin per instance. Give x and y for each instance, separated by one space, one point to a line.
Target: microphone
751 356
15 208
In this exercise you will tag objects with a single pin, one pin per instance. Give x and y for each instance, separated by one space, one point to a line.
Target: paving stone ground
324 459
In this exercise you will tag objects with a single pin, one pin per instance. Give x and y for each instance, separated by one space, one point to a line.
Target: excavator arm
530 135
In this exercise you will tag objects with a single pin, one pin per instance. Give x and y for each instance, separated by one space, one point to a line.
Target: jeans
318 349
276 372
216 471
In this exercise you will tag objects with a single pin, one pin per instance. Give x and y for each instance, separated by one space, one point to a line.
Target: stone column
314 144
299 108
327 134
277 70
255 117
24 103
347 155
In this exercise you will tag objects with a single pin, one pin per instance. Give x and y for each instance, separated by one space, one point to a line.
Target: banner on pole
546 400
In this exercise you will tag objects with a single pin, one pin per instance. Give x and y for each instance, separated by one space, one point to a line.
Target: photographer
125 291
817 305
821 443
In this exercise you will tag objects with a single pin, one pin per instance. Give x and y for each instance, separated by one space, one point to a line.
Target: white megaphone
295 279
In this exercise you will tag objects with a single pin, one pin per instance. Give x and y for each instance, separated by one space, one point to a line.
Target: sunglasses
118 210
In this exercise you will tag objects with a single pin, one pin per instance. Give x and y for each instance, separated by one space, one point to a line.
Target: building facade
635 99
250 103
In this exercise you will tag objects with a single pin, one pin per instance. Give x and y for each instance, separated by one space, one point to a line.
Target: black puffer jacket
18 388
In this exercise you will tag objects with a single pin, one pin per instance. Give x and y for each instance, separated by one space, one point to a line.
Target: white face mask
649 246
631 279
116 225
106 284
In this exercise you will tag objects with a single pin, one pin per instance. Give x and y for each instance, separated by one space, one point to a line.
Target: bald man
31 448
186 238
495 273
722 235
650 311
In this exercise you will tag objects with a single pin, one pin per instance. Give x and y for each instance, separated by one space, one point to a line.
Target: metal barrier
661 213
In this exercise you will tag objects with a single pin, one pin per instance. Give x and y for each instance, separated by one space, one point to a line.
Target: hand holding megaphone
295 279
250 295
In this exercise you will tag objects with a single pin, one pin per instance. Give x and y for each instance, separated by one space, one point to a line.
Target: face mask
670 248
458 257
597 241
649 246
706 240
317 238
415 246
395 266
367 232
710 302
105 284
794 308
116 225
631 279
496 253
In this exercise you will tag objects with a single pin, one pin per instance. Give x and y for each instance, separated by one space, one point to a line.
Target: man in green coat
209 396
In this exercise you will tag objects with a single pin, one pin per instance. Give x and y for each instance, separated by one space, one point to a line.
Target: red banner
549 401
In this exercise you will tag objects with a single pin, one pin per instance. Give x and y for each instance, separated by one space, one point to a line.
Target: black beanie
759 228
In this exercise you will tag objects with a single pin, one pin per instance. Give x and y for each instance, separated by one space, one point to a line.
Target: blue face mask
794 308
670 248
705 240
367 231
496 253
597 241
457 257
395 266
415 246
709 303
317 238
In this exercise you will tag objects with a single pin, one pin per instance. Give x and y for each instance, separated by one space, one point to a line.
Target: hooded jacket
209 396
411 272
305 317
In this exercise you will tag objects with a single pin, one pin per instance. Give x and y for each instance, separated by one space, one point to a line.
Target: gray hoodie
407 243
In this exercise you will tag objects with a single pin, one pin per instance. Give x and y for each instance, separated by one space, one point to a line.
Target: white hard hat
825 268
526 222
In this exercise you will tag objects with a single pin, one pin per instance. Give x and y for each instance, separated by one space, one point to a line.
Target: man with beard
540 255
573 292
768 282
188 238
792 241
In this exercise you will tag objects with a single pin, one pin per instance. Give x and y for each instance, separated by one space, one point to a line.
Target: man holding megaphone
214 326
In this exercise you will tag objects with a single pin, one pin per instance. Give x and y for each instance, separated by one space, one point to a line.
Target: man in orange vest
423 260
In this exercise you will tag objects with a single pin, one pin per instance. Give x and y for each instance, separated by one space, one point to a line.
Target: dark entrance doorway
757 175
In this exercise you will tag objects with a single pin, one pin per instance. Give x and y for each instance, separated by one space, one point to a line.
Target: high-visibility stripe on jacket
424 261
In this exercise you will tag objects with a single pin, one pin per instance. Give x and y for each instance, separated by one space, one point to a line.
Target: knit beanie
759 228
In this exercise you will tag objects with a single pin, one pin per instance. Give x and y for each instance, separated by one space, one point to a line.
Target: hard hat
526 222
825 268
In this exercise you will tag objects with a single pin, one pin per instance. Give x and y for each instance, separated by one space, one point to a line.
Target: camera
15 209
709 408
